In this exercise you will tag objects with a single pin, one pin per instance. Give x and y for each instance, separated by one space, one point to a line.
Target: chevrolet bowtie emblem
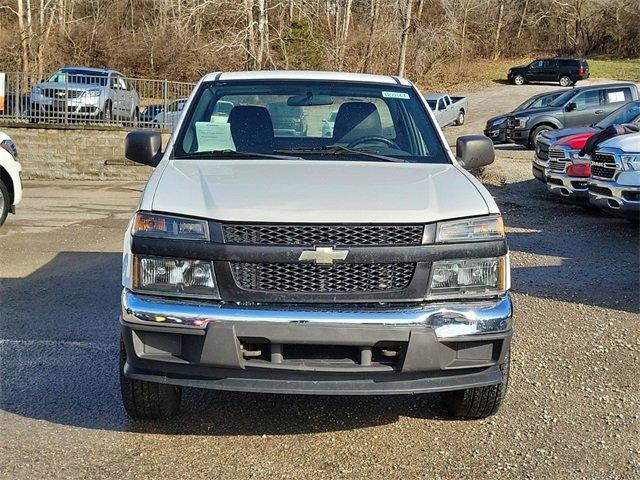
323 255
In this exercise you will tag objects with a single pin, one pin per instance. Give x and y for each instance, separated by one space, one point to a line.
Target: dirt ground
573 406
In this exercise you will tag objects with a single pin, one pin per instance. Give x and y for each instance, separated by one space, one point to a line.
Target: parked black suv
565 71
578 107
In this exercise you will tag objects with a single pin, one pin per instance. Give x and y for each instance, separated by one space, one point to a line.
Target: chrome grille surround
604 165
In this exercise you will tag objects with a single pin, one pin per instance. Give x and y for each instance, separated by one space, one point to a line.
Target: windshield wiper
340 150
233 154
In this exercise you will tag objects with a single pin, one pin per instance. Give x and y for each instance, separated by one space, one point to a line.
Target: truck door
535 71
584 109
549 70
615 98
441 112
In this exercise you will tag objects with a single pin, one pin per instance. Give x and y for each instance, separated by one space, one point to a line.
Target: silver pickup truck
85 93
448 110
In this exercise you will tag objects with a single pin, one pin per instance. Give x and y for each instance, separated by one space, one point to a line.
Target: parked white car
10 182
615 176
169 119
276 260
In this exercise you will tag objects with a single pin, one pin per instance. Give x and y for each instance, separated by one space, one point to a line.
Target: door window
536 64
618 95
587 100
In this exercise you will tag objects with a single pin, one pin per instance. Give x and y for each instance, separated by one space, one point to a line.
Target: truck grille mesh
603 165
311 278
272 234
61 93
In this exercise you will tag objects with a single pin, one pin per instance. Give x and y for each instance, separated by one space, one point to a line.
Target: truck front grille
311 278
61 93
603 165
310 235
557 160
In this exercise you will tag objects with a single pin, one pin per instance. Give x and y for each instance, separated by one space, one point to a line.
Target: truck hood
628 143
69 85
554 135
536 111
316 191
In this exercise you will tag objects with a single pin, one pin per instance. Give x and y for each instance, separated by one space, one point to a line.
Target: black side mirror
474 151
571 106
143 146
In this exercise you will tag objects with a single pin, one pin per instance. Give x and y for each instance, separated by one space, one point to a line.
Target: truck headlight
631 162
521 122
470 230
179 276
10 147
475 277
147 224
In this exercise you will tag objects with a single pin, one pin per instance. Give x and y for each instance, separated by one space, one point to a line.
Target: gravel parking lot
573 410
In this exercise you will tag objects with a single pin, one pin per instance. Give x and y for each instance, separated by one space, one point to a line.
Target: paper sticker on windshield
402 95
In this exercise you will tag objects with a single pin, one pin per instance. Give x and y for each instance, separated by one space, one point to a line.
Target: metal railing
76 98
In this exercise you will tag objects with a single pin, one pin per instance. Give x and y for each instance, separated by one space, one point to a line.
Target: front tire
460 119
565 81
147 400
481 402
536 133
518 79
5 202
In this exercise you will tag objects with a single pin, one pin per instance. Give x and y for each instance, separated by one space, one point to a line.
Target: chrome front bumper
559 183
446 319
615 197
435 348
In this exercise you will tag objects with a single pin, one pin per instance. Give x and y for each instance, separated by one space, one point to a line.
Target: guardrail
73 97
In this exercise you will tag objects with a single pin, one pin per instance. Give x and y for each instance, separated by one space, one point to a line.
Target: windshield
383 122
629 113
77 75
537 102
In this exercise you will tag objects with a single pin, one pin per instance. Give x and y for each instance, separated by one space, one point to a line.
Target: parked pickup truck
264 260
448 110
85 93
10 181
578 107
627 113
615 176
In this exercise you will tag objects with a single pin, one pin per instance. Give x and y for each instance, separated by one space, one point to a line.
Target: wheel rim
461 118
519 80
1 203
539 134
564 81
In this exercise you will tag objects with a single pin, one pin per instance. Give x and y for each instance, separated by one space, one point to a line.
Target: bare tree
404 37
375 12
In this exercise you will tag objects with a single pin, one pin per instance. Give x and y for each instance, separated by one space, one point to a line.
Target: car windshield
373 122
537 102
626 114
77 75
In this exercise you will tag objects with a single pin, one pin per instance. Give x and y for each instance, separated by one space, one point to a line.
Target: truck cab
271 260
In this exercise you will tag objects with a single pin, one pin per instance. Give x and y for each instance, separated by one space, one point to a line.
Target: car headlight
475 277
155 225
521 122
631 162
93 92
470 229
10 147
174 276
37 90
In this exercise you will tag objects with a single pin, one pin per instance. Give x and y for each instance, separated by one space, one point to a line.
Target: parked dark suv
565 71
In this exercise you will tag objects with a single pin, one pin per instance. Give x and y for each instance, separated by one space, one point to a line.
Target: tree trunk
404 38
496 44
522 17
464 33
262 34
375 12
250 38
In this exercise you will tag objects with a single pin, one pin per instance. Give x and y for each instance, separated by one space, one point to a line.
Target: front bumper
616 196
559 183
518 135
316 350
81 107
496 134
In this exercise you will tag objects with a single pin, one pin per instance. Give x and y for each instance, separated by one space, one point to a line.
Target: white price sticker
402 95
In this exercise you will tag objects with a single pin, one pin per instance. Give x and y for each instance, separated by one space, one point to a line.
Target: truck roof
435 96
306 75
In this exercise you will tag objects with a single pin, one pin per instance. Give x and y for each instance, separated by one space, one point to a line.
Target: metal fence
72 96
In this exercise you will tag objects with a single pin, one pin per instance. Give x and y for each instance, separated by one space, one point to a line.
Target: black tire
5 202
534 134
460 119
147 400
475 403
519 79
565 81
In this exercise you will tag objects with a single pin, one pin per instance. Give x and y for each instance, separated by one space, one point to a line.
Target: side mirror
571 106
474 151
143 146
